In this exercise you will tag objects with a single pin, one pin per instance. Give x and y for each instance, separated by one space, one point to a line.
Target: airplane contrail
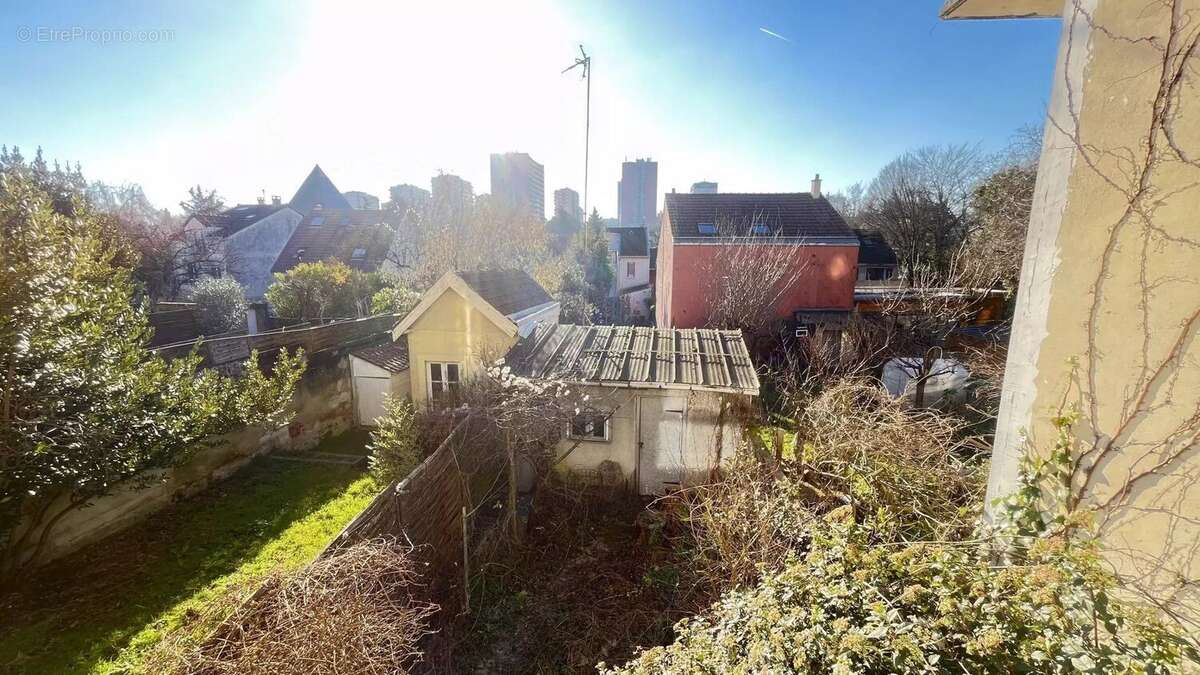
773 34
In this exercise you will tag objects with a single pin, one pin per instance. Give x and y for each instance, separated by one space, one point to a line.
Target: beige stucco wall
709 437
1107 313
452 331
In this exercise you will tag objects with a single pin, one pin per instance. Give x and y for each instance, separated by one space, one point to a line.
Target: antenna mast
585 62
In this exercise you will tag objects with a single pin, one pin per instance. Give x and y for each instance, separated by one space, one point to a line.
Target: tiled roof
232 221
509 291
317 189
632 242
788 214
873 249
392 357
638 357
336 234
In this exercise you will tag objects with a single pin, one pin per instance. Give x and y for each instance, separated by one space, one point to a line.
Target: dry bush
859 446
859 454
353 612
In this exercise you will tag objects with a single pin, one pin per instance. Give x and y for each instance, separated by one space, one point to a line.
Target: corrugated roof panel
700 358
664 356
568 364
689 358
592 357
740 365
617 354
640 354
712 357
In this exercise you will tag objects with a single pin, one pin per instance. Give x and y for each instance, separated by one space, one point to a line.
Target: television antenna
585 62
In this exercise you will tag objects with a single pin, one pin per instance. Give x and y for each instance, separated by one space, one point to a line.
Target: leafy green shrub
851 605
394 300
396 442
324 289
86 406
220 305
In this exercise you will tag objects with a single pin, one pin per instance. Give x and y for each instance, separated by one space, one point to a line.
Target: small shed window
589 427
444 380
707 228
359 254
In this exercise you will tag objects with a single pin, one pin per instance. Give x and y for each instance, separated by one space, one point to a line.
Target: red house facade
697 229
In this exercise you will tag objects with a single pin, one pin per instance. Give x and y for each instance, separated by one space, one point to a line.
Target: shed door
660 464
369 393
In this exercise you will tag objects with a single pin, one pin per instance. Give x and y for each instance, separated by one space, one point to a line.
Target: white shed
668 401
378 372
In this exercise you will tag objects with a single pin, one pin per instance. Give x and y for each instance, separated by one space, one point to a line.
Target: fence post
466 564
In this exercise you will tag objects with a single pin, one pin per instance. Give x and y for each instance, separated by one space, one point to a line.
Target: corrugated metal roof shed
636 356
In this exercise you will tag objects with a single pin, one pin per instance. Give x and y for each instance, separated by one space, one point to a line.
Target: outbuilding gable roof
786 214
509 291
392 357
503 296
635 356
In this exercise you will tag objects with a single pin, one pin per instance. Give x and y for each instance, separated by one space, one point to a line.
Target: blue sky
246 98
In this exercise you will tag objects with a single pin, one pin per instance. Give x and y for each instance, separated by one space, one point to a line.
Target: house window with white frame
444 381
589 426
629 268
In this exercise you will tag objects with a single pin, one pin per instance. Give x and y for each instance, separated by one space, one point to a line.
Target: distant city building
566 201
520 181
410 195
704 187
361 200
637 193
449 188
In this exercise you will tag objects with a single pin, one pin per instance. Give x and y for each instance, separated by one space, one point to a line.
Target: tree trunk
514 526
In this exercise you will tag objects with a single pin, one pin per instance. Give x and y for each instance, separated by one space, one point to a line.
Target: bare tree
849 203
921 202
749 276
1001 206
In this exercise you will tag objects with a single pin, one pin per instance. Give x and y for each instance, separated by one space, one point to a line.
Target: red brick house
697 229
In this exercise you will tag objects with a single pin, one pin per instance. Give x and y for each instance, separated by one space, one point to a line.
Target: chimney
276 200
262 200
816 186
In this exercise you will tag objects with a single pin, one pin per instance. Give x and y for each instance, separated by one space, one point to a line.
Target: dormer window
707 228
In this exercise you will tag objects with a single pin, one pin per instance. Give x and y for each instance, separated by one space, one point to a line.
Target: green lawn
100 609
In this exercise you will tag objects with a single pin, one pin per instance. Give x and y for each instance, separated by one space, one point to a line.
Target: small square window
444 382
707 228
589 427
